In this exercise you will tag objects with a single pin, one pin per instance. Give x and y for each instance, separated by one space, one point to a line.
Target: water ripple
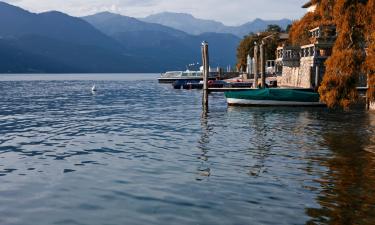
137 152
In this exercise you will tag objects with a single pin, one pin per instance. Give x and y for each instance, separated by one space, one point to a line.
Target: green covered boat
273 97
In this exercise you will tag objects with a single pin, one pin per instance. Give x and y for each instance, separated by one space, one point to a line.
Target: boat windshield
172 74
192 74
176 74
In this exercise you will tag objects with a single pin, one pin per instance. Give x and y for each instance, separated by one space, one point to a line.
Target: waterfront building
303 66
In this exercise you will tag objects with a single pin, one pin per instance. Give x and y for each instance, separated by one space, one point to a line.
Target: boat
211 84
274 97
178 84
172 76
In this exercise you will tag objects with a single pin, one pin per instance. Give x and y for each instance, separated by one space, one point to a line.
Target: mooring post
256 66
262 65
206 71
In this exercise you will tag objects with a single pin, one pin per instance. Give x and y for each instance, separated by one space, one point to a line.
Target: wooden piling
206 71
256 66
262 65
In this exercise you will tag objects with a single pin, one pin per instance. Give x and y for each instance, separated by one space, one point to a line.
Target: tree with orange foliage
355 23
299 32
370 39
345 65
323 15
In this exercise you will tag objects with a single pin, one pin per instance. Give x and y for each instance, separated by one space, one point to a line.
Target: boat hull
273 97
245 102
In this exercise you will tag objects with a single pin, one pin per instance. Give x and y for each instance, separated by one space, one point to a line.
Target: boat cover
275 94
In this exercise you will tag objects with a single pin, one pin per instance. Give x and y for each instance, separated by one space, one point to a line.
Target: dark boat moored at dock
191 86
178 84
214 84
211 84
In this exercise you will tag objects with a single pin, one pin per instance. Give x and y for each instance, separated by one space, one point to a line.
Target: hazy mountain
111 23
167 47
192 25
257 25
55 42
16 60
16 22
185 22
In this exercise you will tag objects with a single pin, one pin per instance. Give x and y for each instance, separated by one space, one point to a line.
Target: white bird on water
93 89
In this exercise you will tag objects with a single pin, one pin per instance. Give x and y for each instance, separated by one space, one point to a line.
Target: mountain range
53 42
195 26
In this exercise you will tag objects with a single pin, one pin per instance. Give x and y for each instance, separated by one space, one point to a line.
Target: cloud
232 12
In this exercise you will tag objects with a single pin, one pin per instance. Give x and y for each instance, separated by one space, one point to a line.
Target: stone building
303 66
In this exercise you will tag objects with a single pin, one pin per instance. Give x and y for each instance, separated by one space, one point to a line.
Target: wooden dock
210 90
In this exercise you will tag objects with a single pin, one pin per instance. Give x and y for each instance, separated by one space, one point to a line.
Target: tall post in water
256 66
262 65
206 71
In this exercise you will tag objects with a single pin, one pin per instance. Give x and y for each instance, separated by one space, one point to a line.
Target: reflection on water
204 168
347 195
263 141
137 152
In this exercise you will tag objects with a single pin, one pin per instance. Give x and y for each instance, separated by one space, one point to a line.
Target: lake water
138 152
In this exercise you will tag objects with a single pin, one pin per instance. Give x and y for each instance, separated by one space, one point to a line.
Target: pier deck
228 89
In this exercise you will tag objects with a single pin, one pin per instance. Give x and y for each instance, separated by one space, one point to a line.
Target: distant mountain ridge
164 45
190 24
16 22
54 42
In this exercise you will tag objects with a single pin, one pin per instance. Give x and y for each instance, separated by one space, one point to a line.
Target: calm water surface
138 152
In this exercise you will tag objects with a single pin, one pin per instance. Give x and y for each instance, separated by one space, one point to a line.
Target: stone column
248 61
262 65
256 66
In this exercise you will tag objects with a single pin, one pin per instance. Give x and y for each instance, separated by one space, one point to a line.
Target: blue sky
230 12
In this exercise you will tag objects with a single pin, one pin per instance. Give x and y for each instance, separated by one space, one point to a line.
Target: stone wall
297 76
302 76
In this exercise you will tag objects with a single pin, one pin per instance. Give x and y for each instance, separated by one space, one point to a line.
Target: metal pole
206 71
255 85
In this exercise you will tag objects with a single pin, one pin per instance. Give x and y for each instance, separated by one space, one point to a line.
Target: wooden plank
206 71
228 89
